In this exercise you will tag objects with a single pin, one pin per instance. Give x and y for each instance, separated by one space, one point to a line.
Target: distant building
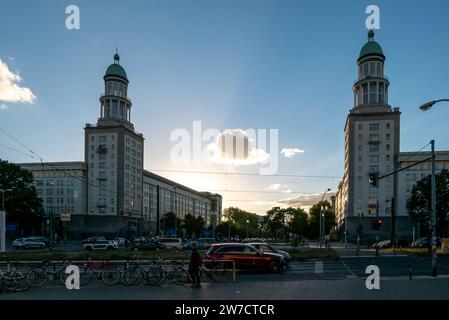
110 193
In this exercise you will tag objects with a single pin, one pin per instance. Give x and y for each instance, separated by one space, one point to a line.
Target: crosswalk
316 267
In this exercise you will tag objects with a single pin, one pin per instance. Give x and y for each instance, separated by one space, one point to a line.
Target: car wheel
274 267
89 248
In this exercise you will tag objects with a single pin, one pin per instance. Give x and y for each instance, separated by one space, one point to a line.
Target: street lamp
433 190
247 229
322 231
429 105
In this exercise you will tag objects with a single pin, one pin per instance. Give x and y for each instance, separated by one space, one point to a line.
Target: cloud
235 147
280 187
304 201
3 106
275 186
10 91
291 152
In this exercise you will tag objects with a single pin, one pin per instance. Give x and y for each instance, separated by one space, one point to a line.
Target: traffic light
374 179
377 224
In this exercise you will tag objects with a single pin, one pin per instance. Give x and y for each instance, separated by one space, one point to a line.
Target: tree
170 221
227 227
22 204
299 222
314 219
239 218
193 225
419 202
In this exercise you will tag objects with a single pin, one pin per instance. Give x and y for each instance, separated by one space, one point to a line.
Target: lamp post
175 210
425 107
247 229
322 224
3 222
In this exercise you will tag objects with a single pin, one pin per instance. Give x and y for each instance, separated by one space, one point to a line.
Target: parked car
265 247
101 245
28 243
93 239
122 242
423 242
171 243
139 239
147 246
246 257
45 241
202 243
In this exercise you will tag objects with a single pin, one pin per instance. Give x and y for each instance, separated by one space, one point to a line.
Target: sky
236 64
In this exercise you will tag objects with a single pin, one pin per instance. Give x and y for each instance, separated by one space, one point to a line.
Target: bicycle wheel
131 276
20 279
110 276
37 277
8 282
155 276
220 274
180 275
85 275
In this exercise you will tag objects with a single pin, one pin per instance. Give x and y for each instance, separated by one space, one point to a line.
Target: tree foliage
419 202
22 204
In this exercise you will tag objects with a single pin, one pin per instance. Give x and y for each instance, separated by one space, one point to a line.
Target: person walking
195 262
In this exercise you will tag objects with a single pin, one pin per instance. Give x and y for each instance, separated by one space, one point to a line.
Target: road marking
352 274
319 267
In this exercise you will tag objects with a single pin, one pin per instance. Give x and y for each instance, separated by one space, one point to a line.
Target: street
343 278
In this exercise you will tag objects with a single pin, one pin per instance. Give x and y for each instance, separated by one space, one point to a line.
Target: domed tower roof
371 48
116 70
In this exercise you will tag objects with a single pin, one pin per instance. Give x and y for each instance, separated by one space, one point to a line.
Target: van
171 243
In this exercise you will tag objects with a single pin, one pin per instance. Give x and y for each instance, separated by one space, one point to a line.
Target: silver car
28 243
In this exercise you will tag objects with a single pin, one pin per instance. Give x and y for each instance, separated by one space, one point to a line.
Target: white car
171 243
101 245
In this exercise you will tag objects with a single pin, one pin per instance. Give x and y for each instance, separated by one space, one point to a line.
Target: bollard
410 271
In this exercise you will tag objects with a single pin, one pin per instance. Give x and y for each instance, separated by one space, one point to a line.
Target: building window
374 127
388 126
374 137
387 158
374 148
387 147
373 169
102 165
360 137
102 138
360 147
374 158
360 126
388 136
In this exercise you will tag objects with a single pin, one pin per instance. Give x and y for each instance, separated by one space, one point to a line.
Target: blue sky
286 65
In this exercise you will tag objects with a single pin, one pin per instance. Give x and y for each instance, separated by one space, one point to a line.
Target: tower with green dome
114 156
371 147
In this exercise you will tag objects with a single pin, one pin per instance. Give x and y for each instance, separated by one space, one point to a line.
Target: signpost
65 217
2 231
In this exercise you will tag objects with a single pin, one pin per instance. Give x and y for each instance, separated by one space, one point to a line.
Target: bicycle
103 271
134 274
37 277
15 279
157 275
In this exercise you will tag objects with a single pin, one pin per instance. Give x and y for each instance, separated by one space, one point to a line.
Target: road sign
66 217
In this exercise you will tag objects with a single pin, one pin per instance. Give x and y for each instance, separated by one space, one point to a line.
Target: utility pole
377 232
433 205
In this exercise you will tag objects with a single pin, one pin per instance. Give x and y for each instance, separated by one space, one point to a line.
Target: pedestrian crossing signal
374 179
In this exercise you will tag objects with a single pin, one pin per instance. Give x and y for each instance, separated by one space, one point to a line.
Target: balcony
102 150
101 205
101 178
374 142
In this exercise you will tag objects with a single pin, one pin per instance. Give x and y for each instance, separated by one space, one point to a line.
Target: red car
246 257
